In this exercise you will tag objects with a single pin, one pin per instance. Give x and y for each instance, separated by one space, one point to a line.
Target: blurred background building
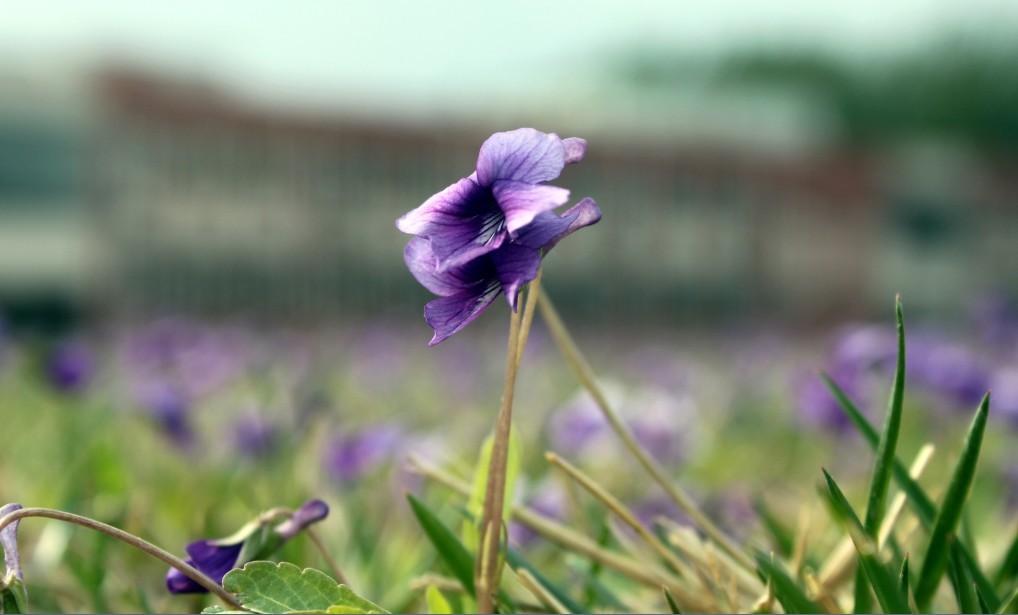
778 182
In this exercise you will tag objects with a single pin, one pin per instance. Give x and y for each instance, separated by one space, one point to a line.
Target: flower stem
487 572
130 539
581 368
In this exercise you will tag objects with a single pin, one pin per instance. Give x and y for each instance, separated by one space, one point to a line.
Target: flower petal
575 149
525 155
520 201
515 265
211 559
450 314
309 513
425 267
548 228
454 201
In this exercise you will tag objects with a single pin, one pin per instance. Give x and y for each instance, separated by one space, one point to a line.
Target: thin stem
337 573
488 569
585 375
138 543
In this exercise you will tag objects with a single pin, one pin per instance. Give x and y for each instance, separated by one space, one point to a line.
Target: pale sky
436 51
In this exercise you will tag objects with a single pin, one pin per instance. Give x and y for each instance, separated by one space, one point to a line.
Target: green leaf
903 582
672 606
215 609
1009 568
921 503
950 511
882 581
786 590
476 503
450 549
1010 604
265 587
436 601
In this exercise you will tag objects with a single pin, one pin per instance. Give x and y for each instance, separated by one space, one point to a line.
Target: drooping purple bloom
254 436
486 234
216 557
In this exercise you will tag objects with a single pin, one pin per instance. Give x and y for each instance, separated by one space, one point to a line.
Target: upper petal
309 513
525 155
212 559
548 229
520 201
450 314
457 201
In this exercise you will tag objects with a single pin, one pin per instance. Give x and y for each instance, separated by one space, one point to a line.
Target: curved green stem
130 539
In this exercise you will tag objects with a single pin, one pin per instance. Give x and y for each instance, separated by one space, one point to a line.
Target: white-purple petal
520 202
451 203
9 543
450 314
525 155
311 512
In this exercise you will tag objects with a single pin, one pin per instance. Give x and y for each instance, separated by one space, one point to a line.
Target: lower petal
450 314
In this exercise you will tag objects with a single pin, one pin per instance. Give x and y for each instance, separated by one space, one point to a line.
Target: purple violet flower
486 234
218 556
254 437
69 366
350 456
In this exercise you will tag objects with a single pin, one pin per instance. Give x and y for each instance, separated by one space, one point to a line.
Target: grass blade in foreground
449 548
786 590
885 458
949 514
925 510
884 584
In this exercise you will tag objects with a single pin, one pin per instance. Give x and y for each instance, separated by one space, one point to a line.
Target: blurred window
37 165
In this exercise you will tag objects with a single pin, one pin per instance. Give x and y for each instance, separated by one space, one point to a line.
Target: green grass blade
903 582
1009 568
786 590
983 607
949 514
1010 605
923 506
962 584
780 535
674 608
459 561
883 465
517 561
883 582
888 444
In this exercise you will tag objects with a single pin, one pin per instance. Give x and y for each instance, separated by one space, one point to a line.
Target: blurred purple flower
996 317
170 410
486 234
216 557
862 347
548 500
255 437
947 368
1004 384
348 457
69 366
816 404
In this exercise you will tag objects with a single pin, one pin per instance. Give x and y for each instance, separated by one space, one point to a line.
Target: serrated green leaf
437 604
921 503
456 557
265 587
786 590
881 580
218 610
950 511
